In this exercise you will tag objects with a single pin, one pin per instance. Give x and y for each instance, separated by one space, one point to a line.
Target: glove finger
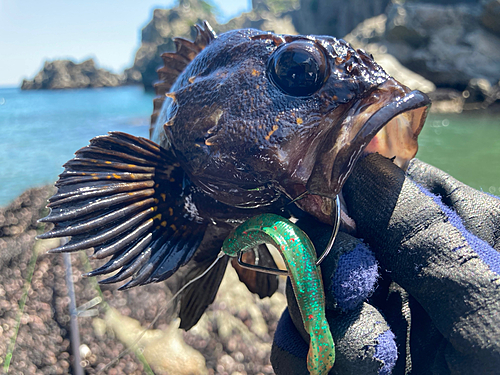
427 253
364 343
289 350
480 212
349 272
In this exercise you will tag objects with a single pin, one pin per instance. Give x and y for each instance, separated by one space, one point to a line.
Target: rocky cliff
335 17
179 20
454 46
158 33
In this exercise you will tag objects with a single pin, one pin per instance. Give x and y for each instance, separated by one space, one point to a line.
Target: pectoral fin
125 197
262 284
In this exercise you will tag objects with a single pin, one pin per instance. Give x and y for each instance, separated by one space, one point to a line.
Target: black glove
437 242
364 343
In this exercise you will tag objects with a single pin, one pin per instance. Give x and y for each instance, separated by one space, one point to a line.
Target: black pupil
298 68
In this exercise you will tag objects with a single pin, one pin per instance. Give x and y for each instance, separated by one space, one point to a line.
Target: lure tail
321 354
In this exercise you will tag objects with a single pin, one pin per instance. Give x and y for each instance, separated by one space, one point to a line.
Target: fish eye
298 68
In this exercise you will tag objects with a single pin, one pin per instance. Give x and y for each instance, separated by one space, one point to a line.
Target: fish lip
334 163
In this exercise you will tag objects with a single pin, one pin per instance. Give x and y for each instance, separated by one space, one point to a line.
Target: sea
41 130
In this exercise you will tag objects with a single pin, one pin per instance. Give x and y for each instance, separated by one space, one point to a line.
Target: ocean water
467 146
41 130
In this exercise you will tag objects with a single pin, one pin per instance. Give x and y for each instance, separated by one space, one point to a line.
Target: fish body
244 123
299 256
257 116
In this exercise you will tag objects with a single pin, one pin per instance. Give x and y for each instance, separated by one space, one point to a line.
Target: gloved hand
437 242
364 343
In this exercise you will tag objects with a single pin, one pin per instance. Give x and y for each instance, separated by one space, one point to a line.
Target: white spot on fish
191 208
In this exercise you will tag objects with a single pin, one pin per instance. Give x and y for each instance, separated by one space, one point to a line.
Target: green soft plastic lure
299 256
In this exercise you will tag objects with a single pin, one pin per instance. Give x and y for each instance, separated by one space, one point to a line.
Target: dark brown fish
243 123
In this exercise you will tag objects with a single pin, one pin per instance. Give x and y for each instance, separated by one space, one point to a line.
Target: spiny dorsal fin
176 62
125 197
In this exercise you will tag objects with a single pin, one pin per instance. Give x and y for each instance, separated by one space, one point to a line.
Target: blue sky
32 31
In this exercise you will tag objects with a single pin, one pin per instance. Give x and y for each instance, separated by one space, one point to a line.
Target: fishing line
126 351
298 198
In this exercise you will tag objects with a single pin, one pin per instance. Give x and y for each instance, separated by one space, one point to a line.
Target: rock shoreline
450 50
66 74
234 336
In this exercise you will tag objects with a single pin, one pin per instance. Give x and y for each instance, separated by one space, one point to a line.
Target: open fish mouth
388 121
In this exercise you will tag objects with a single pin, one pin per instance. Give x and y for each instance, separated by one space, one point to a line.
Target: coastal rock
178 22
480 94
478 90
417 37
234 336
447 46
66 74
158 33
262 18
335 17
18 223
490 16
443 43
132 77
369 35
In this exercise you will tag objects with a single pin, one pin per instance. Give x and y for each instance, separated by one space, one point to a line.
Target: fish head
259 115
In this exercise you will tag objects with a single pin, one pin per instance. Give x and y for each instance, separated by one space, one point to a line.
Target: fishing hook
329 246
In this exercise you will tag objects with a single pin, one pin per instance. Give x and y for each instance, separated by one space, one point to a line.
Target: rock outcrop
178 22
448 45
66 74
158 33
335 17
490 16
443 45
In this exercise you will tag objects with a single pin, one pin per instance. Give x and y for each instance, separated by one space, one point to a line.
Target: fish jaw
387 120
